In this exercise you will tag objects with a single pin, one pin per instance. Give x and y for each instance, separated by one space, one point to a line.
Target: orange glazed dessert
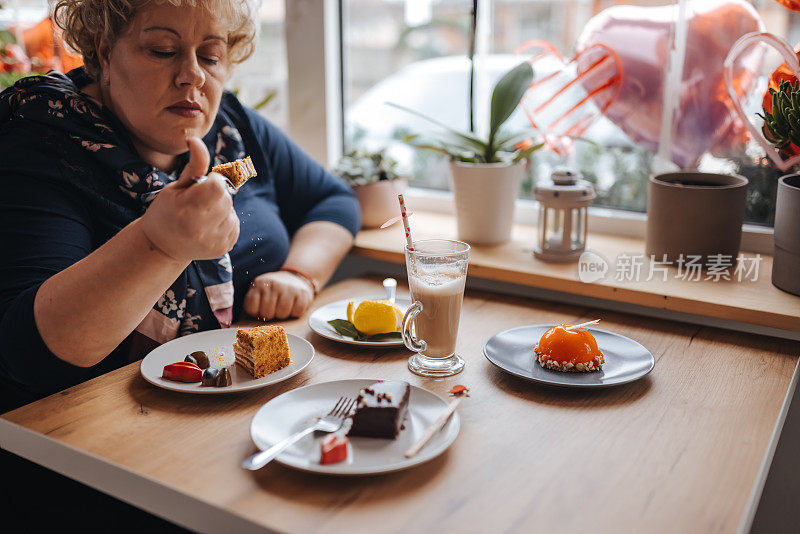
566 350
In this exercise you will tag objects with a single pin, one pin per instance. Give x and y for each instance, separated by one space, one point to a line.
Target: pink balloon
641 38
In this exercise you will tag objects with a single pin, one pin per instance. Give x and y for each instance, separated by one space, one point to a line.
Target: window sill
755 238
754 302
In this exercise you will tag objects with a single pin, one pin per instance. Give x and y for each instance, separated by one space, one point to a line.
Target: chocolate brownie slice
381 410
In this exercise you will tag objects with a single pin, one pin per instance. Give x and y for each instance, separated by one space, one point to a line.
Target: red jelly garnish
182 372
333 449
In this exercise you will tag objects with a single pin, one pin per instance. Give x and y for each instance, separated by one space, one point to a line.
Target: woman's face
165 75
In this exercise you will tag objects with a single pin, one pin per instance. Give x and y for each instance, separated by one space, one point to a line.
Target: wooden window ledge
755 302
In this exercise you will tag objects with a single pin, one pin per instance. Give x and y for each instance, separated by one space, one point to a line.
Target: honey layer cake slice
238 172
262 350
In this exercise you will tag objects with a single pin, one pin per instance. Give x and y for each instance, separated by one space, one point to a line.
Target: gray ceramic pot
786 263
694 213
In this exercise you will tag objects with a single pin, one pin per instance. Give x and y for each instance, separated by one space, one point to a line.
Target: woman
117 238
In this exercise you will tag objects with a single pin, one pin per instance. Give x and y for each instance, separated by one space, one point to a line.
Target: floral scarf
95 155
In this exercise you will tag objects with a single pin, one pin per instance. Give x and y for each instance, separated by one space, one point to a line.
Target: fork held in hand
330 423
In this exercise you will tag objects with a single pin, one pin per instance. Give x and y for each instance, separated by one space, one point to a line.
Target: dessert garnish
200 359
182 372
582 325
460 393
197 368
237 172
371 320
262 350
569 348
224 378
218 378
333 449
381 410
459 390
210 376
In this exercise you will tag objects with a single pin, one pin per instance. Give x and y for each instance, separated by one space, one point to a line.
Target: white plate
300 351
318 322
296 409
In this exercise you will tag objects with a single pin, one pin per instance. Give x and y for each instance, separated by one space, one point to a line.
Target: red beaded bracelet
303 275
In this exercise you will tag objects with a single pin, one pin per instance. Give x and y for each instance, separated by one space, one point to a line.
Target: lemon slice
373 317
398 315
350 309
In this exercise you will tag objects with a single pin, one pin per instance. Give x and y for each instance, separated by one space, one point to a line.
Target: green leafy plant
347 329
500 146
359 167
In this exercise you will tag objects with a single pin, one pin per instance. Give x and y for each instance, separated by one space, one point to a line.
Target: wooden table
681 450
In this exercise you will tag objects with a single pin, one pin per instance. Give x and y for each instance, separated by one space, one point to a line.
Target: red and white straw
404 215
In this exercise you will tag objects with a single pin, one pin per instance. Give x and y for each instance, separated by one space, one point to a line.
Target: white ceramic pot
484 199
378 201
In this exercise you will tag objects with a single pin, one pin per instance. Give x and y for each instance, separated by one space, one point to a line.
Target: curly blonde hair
83 20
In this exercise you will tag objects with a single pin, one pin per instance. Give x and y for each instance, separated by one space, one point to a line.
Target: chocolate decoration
190 359
210 377
201 359
224 378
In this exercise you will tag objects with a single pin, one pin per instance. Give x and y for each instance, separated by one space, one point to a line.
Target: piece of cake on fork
262 350
237 172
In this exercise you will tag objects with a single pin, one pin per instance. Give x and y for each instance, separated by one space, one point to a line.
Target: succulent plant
358 167
782 122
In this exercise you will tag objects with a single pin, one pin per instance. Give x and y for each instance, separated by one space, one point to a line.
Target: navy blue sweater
45 227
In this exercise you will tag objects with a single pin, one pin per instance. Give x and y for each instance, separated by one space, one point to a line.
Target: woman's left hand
278 295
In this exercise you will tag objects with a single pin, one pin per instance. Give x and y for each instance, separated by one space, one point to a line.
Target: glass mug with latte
437 273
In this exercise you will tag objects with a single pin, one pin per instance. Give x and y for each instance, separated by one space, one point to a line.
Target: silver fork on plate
332 422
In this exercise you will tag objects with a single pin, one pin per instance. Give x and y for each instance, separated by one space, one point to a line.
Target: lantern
563 216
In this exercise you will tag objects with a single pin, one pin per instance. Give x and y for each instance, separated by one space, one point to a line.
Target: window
414 53
259 82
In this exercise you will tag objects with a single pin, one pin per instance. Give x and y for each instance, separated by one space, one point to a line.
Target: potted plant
376 183
486 173
782 129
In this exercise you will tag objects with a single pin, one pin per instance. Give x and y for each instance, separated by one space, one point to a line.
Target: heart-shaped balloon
642 38
742 45
555 103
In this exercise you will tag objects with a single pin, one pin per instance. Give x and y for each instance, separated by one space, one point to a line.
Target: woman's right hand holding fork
193 218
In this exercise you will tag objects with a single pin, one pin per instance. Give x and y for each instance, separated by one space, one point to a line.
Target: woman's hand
278 295
190 220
